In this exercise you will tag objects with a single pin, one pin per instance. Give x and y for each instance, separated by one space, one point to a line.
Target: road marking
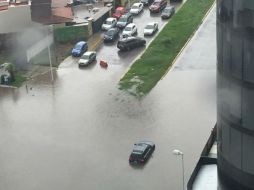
96 44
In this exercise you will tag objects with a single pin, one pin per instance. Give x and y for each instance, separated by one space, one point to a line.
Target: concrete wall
38 47
15 19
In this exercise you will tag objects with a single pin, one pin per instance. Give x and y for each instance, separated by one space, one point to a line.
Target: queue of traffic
122 28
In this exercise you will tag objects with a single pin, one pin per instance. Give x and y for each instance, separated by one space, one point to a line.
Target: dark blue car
80 48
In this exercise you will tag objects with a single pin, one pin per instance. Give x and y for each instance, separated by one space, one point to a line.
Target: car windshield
166 11
78 46
118 12
128 28
134 7
108 22
122 19
85 57
110 32
136 155
150 26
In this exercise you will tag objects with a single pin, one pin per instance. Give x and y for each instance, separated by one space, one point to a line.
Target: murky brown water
78 132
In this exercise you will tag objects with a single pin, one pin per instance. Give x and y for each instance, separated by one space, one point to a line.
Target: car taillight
142 160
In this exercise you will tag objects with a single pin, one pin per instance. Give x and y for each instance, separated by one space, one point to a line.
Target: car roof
111 19
126 15
131 25
151 23
112 29
119 8
146 142
169 7
136 4
127 39
88 53
81 43
140 147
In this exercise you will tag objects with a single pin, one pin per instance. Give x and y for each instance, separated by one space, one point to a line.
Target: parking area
119 61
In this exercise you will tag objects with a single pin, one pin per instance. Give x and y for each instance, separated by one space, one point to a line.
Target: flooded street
78 133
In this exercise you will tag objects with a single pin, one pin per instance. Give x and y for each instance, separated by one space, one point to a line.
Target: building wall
41 9
235 90
15 19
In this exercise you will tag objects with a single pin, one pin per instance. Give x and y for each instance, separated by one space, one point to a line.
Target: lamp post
49 52
179 153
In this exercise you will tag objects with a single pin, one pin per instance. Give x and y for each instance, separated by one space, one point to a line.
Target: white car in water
136 8
109 23
150 28
130 30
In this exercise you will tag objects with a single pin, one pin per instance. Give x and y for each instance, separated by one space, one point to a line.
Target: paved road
77 133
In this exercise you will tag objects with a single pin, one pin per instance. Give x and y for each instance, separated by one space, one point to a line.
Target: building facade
235 92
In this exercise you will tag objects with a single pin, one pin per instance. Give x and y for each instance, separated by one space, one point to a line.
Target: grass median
158 57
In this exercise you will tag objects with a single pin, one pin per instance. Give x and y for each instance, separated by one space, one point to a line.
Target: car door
130 20
91 57
140 7
114 23
134 29
147 153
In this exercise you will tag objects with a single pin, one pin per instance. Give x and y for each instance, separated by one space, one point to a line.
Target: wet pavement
78 132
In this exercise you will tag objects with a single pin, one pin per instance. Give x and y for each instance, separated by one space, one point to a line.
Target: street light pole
178 152
49 53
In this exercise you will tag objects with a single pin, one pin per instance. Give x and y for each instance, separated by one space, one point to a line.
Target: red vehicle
119 12
157 6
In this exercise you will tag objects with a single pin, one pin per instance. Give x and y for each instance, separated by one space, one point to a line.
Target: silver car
87 58
150 28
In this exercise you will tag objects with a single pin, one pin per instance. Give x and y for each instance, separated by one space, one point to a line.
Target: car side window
145 152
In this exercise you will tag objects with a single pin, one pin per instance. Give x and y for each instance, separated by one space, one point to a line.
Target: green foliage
159 56
19 79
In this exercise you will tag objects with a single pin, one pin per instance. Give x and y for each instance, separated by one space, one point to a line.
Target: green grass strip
158 57
19 79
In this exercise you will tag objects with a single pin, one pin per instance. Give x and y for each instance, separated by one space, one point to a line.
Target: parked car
157 6
109 23
141 152
111 35
147 2
124 20
119 12
136 8
150 28
130 43
80 48
87 58
168 12
130 30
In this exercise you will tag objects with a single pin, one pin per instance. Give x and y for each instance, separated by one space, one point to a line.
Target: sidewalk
93 43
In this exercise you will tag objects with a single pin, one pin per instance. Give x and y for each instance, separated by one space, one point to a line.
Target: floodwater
78 132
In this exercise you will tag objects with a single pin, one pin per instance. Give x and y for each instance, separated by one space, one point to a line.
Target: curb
187 42
147 46
96 44
7 86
